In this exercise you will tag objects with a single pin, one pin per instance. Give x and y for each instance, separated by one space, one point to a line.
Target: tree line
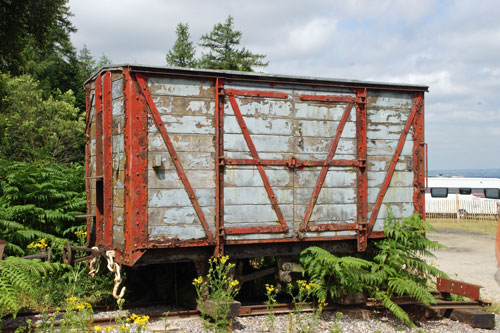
42 112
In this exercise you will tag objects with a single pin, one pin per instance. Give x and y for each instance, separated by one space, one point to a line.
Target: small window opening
439 192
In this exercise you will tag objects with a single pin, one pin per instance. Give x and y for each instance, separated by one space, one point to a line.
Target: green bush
398 268
38 200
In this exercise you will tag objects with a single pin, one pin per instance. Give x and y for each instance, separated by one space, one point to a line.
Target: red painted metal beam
459 288
256 229
327 98
141 80
333 227
136 171
88 107
99 211
324 169
255 93
219 167
255 155
361 174
107 117
298 163
419 159
418 104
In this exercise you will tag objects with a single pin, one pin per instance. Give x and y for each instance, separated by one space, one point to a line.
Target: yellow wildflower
198 280
233 283
71 299
97 328
124 328
109 328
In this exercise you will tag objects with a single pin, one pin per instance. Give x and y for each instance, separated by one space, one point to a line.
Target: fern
19 277
396 269
38 200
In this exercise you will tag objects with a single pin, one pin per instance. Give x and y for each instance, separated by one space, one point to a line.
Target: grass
482 227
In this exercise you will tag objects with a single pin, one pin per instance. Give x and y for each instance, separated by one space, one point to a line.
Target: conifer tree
223 53
182 54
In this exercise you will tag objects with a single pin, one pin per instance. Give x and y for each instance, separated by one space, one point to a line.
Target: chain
115 268
96 260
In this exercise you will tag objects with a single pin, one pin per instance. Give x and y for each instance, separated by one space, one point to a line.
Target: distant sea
474 173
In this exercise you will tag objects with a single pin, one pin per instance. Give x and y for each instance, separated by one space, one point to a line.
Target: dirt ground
469 258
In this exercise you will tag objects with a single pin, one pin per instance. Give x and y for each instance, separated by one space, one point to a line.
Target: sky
451 46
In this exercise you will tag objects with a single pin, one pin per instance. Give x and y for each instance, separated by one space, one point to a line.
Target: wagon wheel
68 256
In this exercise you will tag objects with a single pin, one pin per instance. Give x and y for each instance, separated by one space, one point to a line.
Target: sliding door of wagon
258 140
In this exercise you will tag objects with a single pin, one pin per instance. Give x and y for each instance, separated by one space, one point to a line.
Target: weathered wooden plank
118 197
184 106
322 145
179 215
321 111
388 147
118 235
399 209
239 176
117 88
393 194
258 107
327 213
241 215
185 124
119 160
324 128
263 143
117 108
118 215
267 126
189 160
387 116
399 178
256 196
263 155
377 131
327 195
381 163
118 178
118 125
175 232
179 197
181 87
336 177
118 143
389 99
182 143
164 179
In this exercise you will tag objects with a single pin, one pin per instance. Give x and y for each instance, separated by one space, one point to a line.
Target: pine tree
223 53
182 54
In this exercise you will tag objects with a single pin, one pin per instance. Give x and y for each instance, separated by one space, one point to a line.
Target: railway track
355 311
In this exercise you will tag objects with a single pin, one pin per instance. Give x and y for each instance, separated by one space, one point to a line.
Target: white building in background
461 197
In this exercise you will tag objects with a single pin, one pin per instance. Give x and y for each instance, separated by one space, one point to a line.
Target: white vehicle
462 197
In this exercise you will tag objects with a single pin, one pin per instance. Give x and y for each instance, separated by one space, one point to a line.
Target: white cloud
452 46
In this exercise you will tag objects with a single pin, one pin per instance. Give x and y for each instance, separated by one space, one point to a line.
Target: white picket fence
455 208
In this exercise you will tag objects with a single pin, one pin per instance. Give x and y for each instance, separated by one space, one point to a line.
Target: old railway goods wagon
185 163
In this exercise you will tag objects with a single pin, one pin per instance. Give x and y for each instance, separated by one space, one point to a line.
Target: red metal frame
362 180
136 171
107 117
99 218
419 155
274 203
459 288
138 103
324 170
142 81
87 158
219 166
255 93
417 106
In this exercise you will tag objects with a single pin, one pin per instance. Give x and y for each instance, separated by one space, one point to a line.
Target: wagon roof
262 77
